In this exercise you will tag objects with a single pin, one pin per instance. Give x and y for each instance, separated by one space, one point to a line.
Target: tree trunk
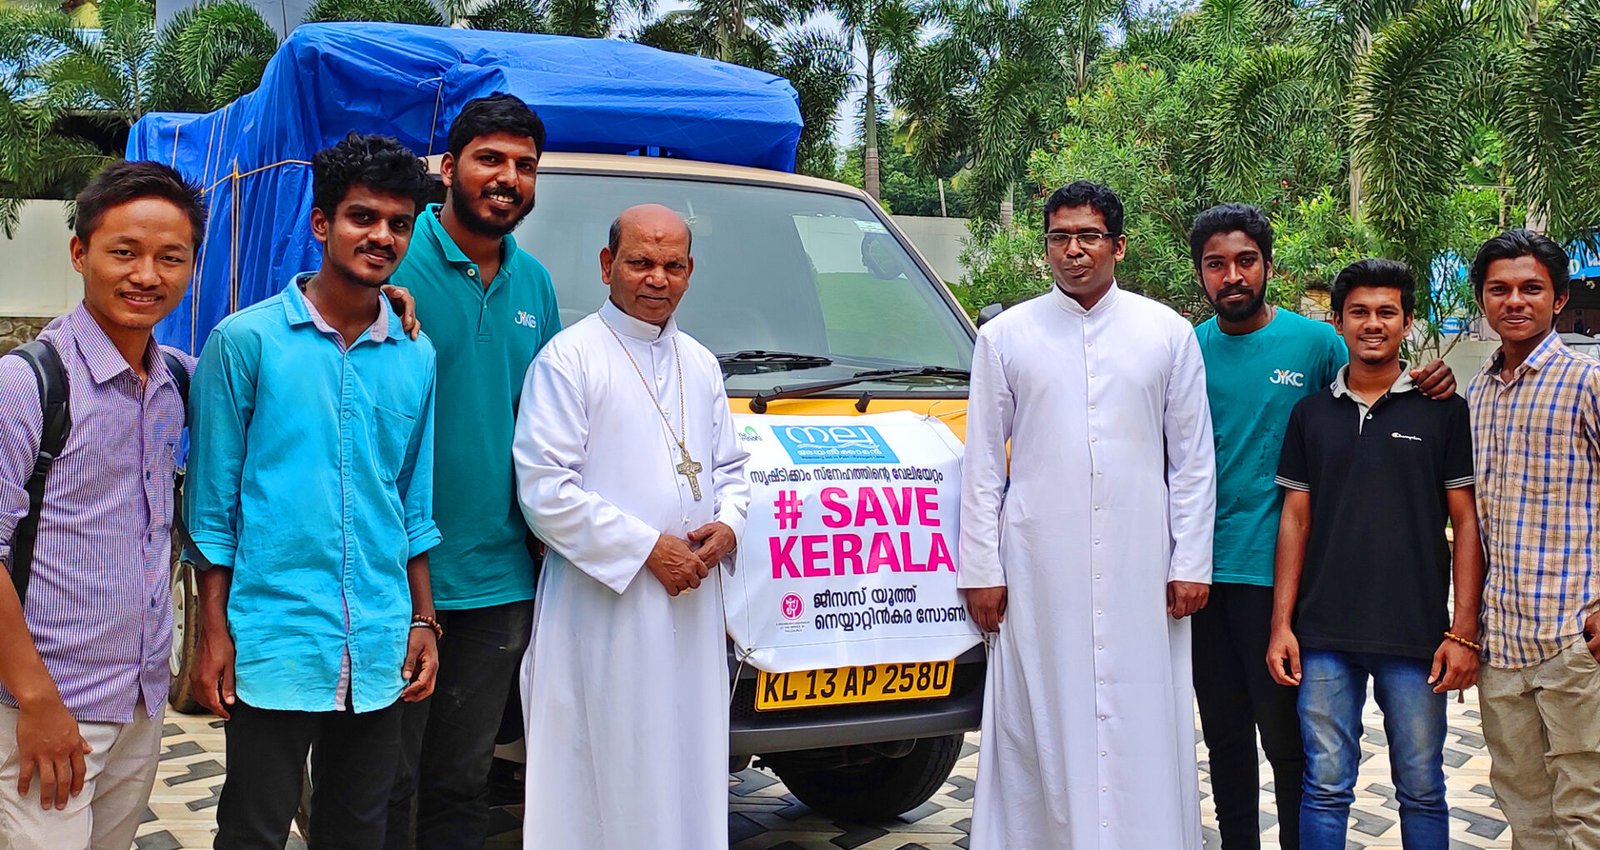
870 167
1538 219
944 212
1358 177
1006 208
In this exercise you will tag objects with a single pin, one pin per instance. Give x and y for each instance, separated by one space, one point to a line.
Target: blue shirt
311 477
1254 381
486 337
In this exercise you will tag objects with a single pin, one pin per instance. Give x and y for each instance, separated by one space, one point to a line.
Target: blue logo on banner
813 444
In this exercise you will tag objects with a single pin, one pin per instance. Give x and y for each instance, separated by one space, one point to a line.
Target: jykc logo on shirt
527 320
1290 378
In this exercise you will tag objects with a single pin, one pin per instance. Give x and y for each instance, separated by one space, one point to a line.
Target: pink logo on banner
792 606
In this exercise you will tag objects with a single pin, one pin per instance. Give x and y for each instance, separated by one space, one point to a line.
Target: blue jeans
1333 689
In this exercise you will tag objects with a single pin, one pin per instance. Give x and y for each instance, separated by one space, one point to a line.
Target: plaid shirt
1536 440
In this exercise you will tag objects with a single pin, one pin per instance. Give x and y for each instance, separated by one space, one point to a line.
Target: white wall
36 276
939 240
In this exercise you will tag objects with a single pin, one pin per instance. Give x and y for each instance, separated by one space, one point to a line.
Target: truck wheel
878 790
185 629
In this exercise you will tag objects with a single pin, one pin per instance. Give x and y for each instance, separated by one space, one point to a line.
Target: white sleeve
1191 464
730 486
548 451
990 409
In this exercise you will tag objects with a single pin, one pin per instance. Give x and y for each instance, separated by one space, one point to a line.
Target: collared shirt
1537 442
1376 576
310 476
486 337
98 604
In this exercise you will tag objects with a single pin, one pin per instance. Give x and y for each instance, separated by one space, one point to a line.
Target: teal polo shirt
485 339
1254 380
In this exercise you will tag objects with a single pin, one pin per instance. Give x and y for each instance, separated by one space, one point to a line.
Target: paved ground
764 816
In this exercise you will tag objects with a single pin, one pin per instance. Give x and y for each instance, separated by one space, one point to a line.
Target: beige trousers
105 816
1542 725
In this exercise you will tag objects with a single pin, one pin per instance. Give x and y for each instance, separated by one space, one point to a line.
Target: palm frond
389 11
1404 104
1550 96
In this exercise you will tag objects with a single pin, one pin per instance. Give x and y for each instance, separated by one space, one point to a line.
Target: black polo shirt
1376 576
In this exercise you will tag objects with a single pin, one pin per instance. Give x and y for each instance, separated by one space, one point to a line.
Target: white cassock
1088 727
624 688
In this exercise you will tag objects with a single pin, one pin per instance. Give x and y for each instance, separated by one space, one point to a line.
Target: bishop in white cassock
1089 554
629 471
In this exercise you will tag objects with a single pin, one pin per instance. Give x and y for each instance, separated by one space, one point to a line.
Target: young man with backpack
90 418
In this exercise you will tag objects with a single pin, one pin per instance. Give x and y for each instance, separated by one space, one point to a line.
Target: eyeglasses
1087 241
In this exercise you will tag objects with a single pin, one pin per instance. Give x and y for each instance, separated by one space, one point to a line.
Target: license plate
845 685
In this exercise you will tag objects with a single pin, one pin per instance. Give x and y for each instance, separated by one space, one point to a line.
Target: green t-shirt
1254 380
485 340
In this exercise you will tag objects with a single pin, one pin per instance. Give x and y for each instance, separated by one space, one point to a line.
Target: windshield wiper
755 360
758 404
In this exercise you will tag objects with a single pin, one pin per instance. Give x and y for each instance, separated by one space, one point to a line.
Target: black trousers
352 766
448 739
1237 696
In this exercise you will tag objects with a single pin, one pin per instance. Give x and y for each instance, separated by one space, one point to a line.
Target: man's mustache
516 197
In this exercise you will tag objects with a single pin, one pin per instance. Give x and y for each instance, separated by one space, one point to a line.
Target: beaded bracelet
423 621
1475 647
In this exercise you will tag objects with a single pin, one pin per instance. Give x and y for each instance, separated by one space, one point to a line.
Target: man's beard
1242 311
478 224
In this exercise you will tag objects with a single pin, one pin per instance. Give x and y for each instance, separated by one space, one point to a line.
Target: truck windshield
790 285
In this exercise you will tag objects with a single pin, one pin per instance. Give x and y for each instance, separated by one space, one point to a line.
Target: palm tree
1550 117
388 11
209 54
508 16
816 62
68 96
990 86
1411 118
884 30
725 29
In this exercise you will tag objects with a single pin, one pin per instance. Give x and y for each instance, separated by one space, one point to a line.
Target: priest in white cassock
629 471
1086 557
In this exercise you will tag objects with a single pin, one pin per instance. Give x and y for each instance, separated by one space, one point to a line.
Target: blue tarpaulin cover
597 96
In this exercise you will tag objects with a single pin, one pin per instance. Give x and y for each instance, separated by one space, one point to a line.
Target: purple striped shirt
98 603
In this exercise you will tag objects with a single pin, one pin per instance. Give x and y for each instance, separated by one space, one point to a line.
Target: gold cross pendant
690 469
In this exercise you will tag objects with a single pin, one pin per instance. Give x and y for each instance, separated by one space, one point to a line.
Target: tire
878 790
185 629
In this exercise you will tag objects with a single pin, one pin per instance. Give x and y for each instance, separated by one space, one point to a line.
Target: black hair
1376 274
1230 218
131 180
1085 194
1522 243
497 113
379 163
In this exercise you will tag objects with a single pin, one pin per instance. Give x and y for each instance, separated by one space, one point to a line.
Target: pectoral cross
690 469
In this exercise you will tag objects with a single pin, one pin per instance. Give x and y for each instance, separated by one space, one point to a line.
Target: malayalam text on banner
849 554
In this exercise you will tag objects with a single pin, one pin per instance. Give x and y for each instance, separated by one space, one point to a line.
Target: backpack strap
180 375
54 403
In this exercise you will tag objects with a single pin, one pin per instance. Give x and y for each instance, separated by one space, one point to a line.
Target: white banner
849 555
